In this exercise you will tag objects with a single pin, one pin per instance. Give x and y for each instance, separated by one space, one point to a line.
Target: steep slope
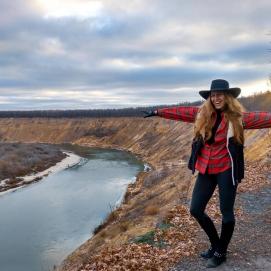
164 144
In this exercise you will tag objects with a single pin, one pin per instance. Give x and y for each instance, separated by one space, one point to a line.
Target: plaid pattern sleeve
182 113
256 120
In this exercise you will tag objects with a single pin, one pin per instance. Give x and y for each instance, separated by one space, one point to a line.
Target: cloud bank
113 54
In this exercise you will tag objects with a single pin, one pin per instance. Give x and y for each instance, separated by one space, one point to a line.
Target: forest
256 102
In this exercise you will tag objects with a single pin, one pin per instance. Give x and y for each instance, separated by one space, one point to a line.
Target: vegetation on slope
20 159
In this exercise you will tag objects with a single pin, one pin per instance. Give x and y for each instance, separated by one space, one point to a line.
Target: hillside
163 144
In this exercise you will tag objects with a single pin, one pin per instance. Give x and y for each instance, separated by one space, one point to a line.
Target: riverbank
44 222
8 185
178 240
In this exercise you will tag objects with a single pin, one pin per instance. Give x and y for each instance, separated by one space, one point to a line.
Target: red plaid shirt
215 158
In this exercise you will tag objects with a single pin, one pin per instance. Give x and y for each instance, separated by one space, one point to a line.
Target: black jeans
203 190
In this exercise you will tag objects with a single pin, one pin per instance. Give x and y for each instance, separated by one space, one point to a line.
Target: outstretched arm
181 113
256 120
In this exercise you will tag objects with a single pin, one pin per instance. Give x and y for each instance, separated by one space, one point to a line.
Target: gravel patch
249 249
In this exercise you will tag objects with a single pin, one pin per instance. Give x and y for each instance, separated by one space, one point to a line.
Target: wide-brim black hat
220 85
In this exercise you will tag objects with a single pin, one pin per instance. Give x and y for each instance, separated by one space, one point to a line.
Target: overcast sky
70 54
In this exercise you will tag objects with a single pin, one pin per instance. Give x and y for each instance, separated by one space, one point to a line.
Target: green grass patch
164 226
148 238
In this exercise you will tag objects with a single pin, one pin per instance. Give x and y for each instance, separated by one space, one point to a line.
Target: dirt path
250 248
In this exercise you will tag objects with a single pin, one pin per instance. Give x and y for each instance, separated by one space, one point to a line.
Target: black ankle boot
208 254
216 260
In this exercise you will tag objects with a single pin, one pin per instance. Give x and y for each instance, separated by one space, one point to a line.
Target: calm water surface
44 222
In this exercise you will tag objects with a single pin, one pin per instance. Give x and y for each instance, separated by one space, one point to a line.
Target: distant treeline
257 102
85 113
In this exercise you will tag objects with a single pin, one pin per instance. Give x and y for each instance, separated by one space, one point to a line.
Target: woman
217 155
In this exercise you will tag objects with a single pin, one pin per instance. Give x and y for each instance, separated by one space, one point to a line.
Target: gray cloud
129 51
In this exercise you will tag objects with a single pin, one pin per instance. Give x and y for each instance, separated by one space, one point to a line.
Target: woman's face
218 100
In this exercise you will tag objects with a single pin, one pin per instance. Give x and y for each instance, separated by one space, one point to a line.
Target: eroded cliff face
157 139
164 144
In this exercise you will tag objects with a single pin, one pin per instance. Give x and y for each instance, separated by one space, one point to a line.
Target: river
42 223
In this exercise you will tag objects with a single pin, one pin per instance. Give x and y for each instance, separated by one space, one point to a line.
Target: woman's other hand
151 113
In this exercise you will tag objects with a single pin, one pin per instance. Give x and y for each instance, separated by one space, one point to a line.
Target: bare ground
250 246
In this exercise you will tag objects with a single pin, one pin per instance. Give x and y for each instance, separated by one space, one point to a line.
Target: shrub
112 216
124 225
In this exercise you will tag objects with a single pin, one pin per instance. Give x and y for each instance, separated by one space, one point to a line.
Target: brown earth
157 196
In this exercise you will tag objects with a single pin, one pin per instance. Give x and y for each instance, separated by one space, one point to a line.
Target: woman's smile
218 100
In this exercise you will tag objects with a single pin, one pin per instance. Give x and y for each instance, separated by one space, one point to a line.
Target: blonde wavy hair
206 118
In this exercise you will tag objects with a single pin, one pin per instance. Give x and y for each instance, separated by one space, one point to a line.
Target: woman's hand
150 113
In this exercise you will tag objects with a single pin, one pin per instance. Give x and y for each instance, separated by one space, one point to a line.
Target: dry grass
112 216
13 181
19 159
124 226
259 143
151 210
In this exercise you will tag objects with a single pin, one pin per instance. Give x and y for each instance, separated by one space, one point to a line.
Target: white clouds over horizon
104 54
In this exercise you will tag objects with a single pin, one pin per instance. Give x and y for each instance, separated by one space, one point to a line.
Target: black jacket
236 152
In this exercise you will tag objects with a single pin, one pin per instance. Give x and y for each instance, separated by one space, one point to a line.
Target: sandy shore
71 160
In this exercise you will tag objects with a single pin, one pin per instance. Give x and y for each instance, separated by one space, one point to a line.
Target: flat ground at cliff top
250 246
